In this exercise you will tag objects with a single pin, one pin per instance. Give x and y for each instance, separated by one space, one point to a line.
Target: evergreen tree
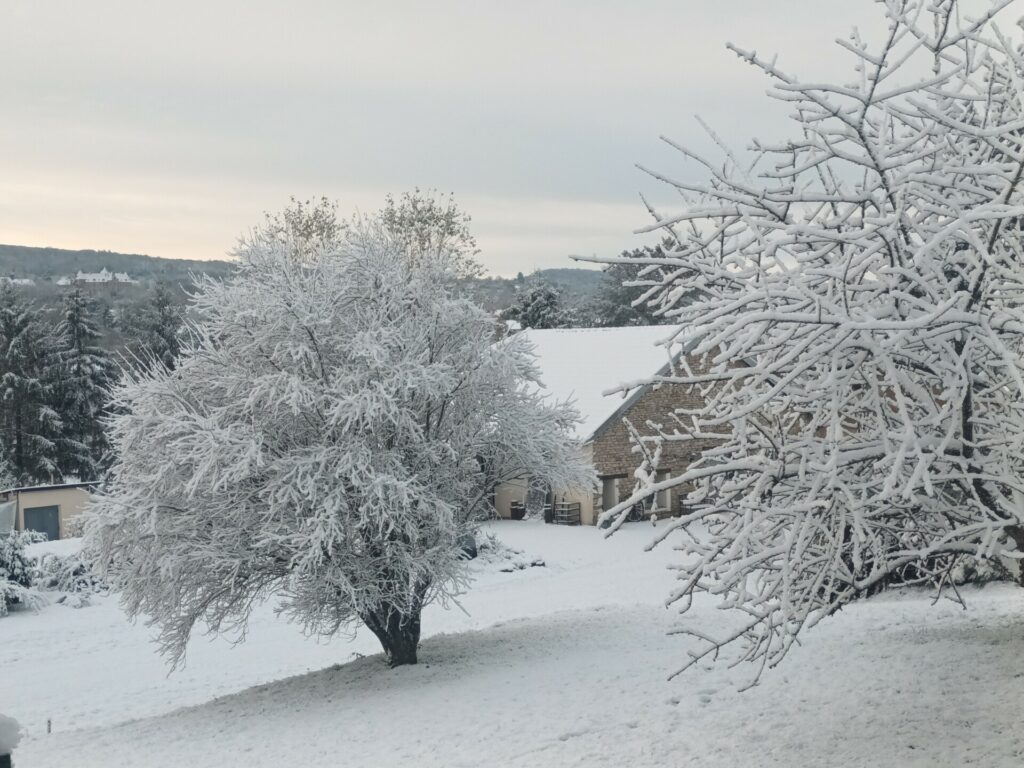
85 373
158 328
620 299
29 425
537 304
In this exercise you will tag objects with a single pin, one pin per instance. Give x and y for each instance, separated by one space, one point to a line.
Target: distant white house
103 277
18 280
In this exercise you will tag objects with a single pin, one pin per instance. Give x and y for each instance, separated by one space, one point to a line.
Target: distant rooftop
103 276
580 364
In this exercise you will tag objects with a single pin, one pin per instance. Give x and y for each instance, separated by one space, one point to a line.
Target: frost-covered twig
859 317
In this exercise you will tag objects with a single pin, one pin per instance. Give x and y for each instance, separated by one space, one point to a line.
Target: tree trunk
399 633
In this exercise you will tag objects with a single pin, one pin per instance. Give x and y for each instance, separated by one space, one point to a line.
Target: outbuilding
49 509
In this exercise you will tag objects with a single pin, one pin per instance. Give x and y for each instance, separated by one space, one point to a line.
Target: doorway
44 520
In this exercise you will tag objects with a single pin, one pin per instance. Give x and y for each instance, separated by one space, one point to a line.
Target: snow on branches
854 299
331 433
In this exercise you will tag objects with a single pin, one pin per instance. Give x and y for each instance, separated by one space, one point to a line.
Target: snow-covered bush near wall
969 570
942 570
495 555
16 570
71 573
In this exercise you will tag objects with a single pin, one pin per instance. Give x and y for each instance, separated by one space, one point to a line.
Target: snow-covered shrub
941 570
495 555
970 570
16 570
72 574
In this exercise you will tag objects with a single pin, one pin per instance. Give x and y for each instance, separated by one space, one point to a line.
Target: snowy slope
579 364
555 666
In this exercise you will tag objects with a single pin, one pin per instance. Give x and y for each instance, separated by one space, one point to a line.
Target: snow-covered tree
859 327
621 299
536 304
335 427
29 425
424 224
85 374
7 477
16 570
157 328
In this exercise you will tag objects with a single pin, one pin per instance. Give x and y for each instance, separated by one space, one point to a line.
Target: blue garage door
43 519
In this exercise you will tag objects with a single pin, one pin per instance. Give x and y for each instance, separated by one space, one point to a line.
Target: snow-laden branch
853 311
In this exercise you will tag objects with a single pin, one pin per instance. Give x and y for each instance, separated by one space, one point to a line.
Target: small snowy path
557 666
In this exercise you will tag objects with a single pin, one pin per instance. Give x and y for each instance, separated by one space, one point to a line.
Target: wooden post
6 762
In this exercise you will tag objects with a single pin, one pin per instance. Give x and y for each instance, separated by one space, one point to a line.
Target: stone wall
612 450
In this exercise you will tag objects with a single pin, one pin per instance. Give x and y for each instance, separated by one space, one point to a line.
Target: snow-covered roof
103 276
582 363
53 487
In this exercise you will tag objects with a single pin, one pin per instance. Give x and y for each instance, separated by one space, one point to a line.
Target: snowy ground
559 665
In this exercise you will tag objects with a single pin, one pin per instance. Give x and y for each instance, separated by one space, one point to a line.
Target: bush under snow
16 570
71 573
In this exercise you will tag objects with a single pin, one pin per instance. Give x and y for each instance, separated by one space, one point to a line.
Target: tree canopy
856 333
335 426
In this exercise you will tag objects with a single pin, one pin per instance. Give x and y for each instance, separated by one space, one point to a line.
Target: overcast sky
167 128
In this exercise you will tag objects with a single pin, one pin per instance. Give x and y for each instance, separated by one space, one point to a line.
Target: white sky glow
168 128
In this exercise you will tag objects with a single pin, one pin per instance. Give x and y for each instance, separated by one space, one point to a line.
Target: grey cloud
534 112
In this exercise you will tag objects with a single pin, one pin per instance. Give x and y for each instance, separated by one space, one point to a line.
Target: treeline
45 266
616 299
61 347
50 264
54 377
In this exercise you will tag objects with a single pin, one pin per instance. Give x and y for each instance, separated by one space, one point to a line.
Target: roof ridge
603 328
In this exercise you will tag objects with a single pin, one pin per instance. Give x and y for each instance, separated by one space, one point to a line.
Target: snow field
559 665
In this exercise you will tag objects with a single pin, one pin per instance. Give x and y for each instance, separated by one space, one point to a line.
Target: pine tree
158 328
29 425
623 297
85 373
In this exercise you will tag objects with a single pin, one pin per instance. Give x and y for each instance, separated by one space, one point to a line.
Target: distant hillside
573 281
47 265
51 263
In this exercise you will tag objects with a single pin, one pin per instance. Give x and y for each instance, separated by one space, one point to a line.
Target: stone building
581 364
